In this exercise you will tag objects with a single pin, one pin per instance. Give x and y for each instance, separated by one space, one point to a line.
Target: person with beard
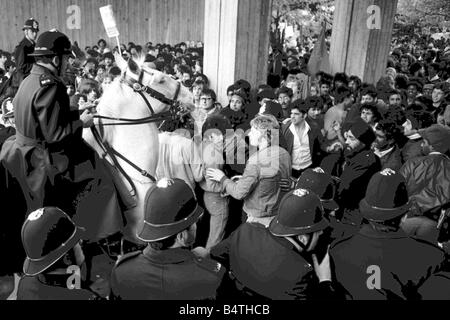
54 258
381 262
385 147
167 269
417 117
359 166
428 177
285 95
394 98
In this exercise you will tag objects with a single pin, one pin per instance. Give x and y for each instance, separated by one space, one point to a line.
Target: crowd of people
342 192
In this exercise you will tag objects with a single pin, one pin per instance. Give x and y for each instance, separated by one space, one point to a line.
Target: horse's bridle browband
141 89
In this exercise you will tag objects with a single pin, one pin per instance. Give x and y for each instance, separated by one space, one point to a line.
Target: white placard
109 21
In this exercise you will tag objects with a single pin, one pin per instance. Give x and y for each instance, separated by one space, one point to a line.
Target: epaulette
127 257
47 80
210 265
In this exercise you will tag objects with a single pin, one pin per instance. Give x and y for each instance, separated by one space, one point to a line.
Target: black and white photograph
224 155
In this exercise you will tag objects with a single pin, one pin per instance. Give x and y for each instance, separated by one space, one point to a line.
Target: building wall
139 21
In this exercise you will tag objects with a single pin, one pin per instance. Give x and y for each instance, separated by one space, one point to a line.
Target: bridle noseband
142 90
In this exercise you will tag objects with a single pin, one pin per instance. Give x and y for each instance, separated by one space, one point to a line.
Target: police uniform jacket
23 60
40 288
48 157
261 263
378 266
173 274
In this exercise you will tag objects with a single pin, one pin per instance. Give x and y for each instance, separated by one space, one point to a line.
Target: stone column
361 37
236 41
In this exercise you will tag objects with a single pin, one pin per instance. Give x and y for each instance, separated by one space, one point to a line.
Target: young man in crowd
303 141
386 146
284 96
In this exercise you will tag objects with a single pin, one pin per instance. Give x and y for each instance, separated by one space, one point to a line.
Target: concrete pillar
236 41
361 37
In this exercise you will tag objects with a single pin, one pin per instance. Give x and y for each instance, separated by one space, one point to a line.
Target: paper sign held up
109 21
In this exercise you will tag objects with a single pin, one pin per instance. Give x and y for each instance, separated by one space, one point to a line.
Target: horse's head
144 91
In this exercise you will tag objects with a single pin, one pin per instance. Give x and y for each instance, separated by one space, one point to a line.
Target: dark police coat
173 274
40 288
402 263
52 163
23 60
265 265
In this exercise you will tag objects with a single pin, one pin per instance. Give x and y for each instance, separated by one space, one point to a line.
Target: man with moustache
360 165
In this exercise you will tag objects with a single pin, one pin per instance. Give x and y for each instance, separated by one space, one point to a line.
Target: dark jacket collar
168 256
369 232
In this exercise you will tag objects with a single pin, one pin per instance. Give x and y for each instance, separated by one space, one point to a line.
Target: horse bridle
141 89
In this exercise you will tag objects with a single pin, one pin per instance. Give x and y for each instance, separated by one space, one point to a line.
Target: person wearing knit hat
402 264
360 164
428 177
235 111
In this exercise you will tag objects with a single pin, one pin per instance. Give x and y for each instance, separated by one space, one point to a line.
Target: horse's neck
139 144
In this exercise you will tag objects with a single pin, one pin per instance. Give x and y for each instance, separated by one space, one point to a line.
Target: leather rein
142 90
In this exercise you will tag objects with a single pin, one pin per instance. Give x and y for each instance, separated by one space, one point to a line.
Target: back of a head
216 122
419 116
341 94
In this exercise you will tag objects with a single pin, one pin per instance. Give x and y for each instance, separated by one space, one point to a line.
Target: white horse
136 141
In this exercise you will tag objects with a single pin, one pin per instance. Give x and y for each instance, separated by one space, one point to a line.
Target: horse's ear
120 62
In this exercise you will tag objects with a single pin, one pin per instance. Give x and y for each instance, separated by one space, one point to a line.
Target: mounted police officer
54 264
23 51
381 262
48 157
166 269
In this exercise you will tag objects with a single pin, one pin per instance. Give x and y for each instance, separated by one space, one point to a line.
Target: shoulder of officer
340 241
127 257
210 265
47 80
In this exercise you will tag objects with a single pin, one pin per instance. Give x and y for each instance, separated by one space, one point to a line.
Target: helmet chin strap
57 68
299 245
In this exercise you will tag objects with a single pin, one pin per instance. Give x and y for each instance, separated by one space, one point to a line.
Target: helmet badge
300 192
35 215
387 172
164 183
